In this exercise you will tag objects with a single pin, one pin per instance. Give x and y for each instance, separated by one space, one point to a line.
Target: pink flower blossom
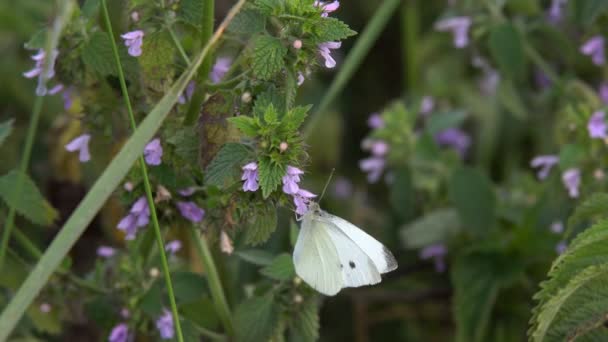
191 211
41 59
45 308
80 144
597 125
373 166
557 227
134 41
173 246
327 7
459 26
153 152
594 47
250 176
291 180
120 333
375 121
301 200
437 252
545 163
139 216
220 68
164 324
106 251
572 180
324 50
427 105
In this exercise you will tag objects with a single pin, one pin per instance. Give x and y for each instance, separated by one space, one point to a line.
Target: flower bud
297 281
154 272
297 44
246 97
162 194
135 16
128 186
283 146
297 298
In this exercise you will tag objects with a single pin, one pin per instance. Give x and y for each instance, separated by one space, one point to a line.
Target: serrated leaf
305 323
97 54
270 175
437 226
186 143
593 208
258 257
506 47
191 12
268 7
249 21
188 286
255 319
261 224
268 57
472 194
266 98
200 312
270 115
29 202
245 124
157 61
332 29
296 116
281 268
225 168
6 128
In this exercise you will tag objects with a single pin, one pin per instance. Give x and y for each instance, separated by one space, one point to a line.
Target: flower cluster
134 41
41 60
459 26
375 164
138 217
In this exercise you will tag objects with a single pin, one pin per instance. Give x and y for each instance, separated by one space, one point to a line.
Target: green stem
203 73
215 285
409 30
178 45
25 160
354 59
144 172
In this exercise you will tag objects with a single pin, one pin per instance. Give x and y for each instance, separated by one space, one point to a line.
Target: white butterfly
332 253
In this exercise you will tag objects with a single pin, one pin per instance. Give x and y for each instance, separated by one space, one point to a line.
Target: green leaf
305 323
256 319
402 196
248 21
593 208
270 175
506 47
281 268
258 257
188 286
97 54
6 128
157 60
587 11
101 311
37 41
151 302
510 99
332 29
186 143
441 121
268 57
571 155
296 116
270 96
437 226
472 194
261 224
268 7
225 168
201 312
48 323
270 115
90 8
245 124
29 202
191 12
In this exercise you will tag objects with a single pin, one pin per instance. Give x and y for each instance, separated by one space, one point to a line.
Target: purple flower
120 333
106 251
542 81
455 138
139 216
343 188
301 78
373 166
594 47
572 180
125 313
191 211
545 163
596 126
459 26
45 308
437 252
153 152
561 247
134 41
291 180
80 144
164 324
427 105
41 59
324 50
173 246
603 91
301 199
379 148
375 121
67 98
187 191
557 227
220 68
250 176
327 7
187 94
56 89
555 11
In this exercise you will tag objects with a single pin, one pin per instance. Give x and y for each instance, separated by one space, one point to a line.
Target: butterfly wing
315 257
382 258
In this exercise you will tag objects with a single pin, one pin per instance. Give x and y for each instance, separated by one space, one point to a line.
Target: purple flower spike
106 251
572 180
597 125
373 166
134 41
139 216
594 47
119 333
301 200
153 152
437 252
455 138
375 121
164 324
173 246
545 163
324 50
250 176
291 180
459 26
327 7
220 68
191 211
80 144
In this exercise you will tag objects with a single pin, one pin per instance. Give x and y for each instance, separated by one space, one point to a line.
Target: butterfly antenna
327 183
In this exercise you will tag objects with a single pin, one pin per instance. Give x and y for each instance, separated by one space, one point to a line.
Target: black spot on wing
351 264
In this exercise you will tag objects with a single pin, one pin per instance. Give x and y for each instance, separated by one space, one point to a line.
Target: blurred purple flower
191 211
301 200
80 144
327 7
106 251
187 191
67 98
164 324
379 148
291 180
125 313
343 188
594 47
41 59
572 180
596 126
375 121
324 50
561 247
455 138
459 26
541 79
437 252
139 216
555 11
153 152
373 166
56 89
173 246
557 227
545 163
603 91
134 41
45 308
220 68
187 94
250 176
427 105
120 333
